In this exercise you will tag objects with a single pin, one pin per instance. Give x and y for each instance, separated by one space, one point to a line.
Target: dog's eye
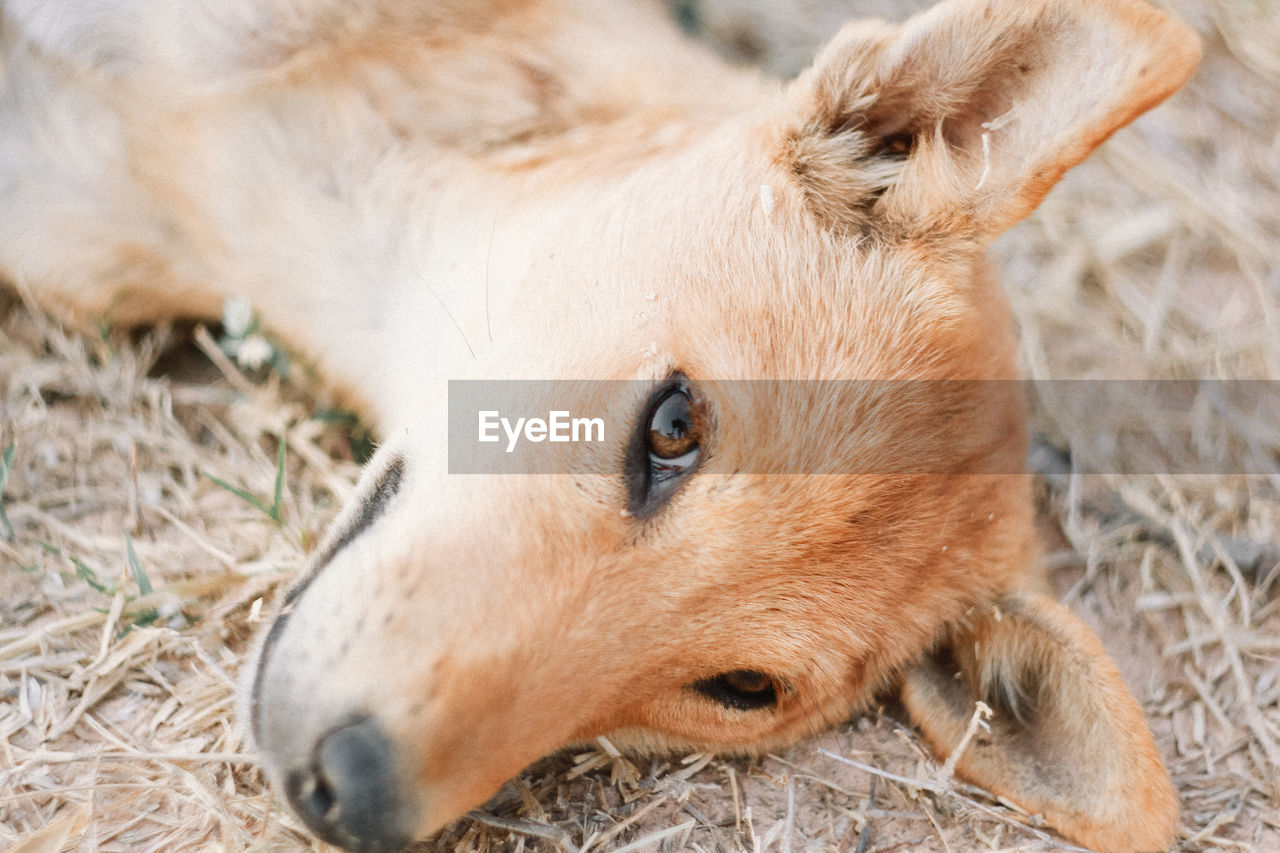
666 446
673 429
741 689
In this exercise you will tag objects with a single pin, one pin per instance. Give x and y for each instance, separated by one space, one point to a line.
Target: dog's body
413 193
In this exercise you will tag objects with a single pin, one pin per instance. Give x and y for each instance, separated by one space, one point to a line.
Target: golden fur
412 193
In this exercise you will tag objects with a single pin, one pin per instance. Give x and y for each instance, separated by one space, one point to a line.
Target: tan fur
412 193
1061 706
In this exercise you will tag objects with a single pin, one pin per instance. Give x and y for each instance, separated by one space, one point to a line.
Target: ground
148 518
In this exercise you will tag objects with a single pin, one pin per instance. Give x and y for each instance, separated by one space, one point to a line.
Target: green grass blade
6 465
253 501
135 567
279 492
89 576
141 620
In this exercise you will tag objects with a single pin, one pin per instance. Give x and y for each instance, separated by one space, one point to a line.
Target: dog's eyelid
666 469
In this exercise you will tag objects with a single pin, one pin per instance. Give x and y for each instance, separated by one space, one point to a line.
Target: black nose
349 795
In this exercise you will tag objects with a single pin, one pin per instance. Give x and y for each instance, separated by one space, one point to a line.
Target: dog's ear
962 118
1066 740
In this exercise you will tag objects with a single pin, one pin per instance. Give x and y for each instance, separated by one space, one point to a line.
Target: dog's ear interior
961 119
1066 740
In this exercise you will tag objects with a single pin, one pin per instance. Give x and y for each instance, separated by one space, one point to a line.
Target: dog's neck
404 244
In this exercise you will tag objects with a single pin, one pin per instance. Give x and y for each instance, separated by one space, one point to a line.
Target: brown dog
489 189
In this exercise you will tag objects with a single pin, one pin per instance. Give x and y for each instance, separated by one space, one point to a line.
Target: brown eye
665 447
748 681
741 689
673 429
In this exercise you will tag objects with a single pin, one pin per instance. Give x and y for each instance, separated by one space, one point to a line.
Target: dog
413 193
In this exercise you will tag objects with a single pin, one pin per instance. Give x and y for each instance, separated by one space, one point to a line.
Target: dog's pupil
748 681
671 431
740 689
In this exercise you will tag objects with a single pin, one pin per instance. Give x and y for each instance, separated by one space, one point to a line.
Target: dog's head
733 571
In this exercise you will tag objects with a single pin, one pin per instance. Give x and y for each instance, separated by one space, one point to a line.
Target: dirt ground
146 524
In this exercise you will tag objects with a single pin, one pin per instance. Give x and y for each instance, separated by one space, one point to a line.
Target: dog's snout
349 794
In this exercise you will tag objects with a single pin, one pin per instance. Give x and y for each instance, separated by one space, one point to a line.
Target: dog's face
693 583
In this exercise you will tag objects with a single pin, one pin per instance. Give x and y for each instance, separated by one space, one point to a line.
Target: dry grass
130 581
